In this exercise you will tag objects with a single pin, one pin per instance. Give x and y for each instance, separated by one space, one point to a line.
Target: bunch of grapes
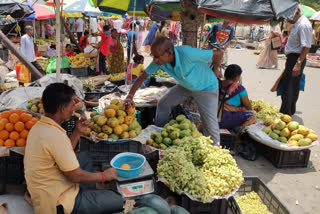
265 110
251 203
197 167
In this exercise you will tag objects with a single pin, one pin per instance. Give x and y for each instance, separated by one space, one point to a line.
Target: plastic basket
227 139
104 151
136 162
79 72
285 159
266 195
12 168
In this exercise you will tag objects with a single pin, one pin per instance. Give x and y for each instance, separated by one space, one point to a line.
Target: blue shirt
135 37
236 100
191 70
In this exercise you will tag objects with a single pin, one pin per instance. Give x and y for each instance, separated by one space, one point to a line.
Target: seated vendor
58 180
237 112
69 51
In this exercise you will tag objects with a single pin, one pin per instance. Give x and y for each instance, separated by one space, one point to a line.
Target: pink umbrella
43 12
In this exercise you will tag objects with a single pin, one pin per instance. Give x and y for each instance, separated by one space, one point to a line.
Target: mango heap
290 132
43 61
35 105
79 60
117 76
173 132
116 122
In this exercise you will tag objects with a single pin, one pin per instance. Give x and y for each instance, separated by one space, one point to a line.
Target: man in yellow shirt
52 170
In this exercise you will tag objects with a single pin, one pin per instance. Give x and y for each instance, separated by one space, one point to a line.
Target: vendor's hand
296 70
129 101
82 125
218 73
110 174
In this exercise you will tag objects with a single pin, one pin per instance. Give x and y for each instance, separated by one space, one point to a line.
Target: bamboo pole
58 42
4 39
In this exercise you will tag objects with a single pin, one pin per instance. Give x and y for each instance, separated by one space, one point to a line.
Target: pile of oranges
14 127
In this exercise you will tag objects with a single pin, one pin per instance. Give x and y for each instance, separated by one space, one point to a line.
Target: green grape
264 110
202 170
251 203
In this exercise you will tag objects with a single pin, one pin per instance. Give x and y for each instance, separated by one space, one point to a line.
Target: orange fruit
25 117
14 135
14 117
9 143
4 134
12 111
1 142
4 120
24 134
2 125
20 111
34 120
9 127
19 126
21 142
29 124
5 114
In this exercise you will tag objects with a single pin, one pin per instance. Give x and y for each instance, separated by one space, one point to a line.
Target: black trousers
102 63
290 85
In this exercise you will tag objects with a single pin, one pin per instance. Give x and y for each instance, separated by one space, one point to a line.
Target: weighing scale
143 184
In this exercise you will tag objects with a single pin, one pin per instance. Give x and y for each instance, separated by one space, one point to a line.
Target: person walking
79 26
162 30
28 50
133 28
298 45
151 36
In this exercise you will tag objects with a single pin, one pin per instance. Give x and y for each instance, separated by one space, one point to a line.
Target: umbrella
249 12
307 11
82 6
14 9
41 12
316 16
122 6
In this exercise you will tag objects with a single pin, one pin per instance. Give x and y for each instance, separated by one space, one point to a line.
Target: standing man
79 27
220 37
189 66
28 50
58 180
298 45
133 28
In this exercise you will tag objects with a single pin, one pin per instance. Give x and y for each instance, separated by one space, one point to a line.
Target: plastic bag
64 63
23 73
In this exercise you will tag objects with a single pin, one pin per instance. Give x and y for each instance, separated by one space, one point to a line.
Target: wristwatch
299 61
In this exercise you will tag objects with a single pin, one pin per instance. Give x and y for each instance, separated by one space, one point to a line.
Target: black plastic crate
103 152
194 207
70 125
12 168
266 195
285 159
227 139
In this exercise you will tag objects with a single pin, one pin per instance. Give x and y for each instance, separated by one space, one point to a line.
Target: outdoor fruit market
159 107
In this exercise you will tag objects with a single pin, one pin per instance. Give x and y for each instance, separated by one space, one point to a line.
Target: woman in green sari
116 56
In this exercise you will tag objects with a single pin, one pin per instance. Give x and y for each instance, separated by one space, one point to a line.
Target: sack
23 73
276 43
52 64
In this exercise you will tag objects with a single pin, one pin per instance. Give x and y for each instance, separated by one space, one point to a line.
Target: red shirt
127 25
70 53
104 44
83 45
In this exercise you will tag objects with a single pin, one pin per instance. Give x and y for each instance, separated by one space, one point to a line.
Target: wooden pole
70 34
58 41
19 55
201 33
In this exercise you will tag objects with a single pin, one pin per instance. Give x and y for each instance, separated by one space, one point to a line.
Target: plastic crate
285 159
103 151
227 139
79 72
70 125
266 195
194 207
12 168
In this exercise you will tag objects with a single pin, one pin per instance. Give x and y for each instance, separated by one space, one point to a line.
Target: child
137 67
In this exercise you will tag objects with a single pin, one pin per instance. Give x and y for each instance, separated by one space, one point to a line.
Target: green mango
167 141
164 133
172 122
114 137
184 126
176 142
184 133
180 118
174 135
158 138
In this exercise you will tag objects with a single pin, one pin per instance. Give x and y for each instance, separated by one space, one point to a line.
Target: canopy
15 9
122 6
41 12
249 11
316 16
307 11
81 6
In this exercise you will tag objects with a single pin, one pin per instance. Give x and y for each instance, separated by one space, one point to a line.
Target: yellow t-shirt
48 154
137 70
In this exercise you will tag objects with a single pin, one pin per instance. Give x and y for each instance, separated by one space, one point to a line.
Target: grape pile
265 111
251 203
200 169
